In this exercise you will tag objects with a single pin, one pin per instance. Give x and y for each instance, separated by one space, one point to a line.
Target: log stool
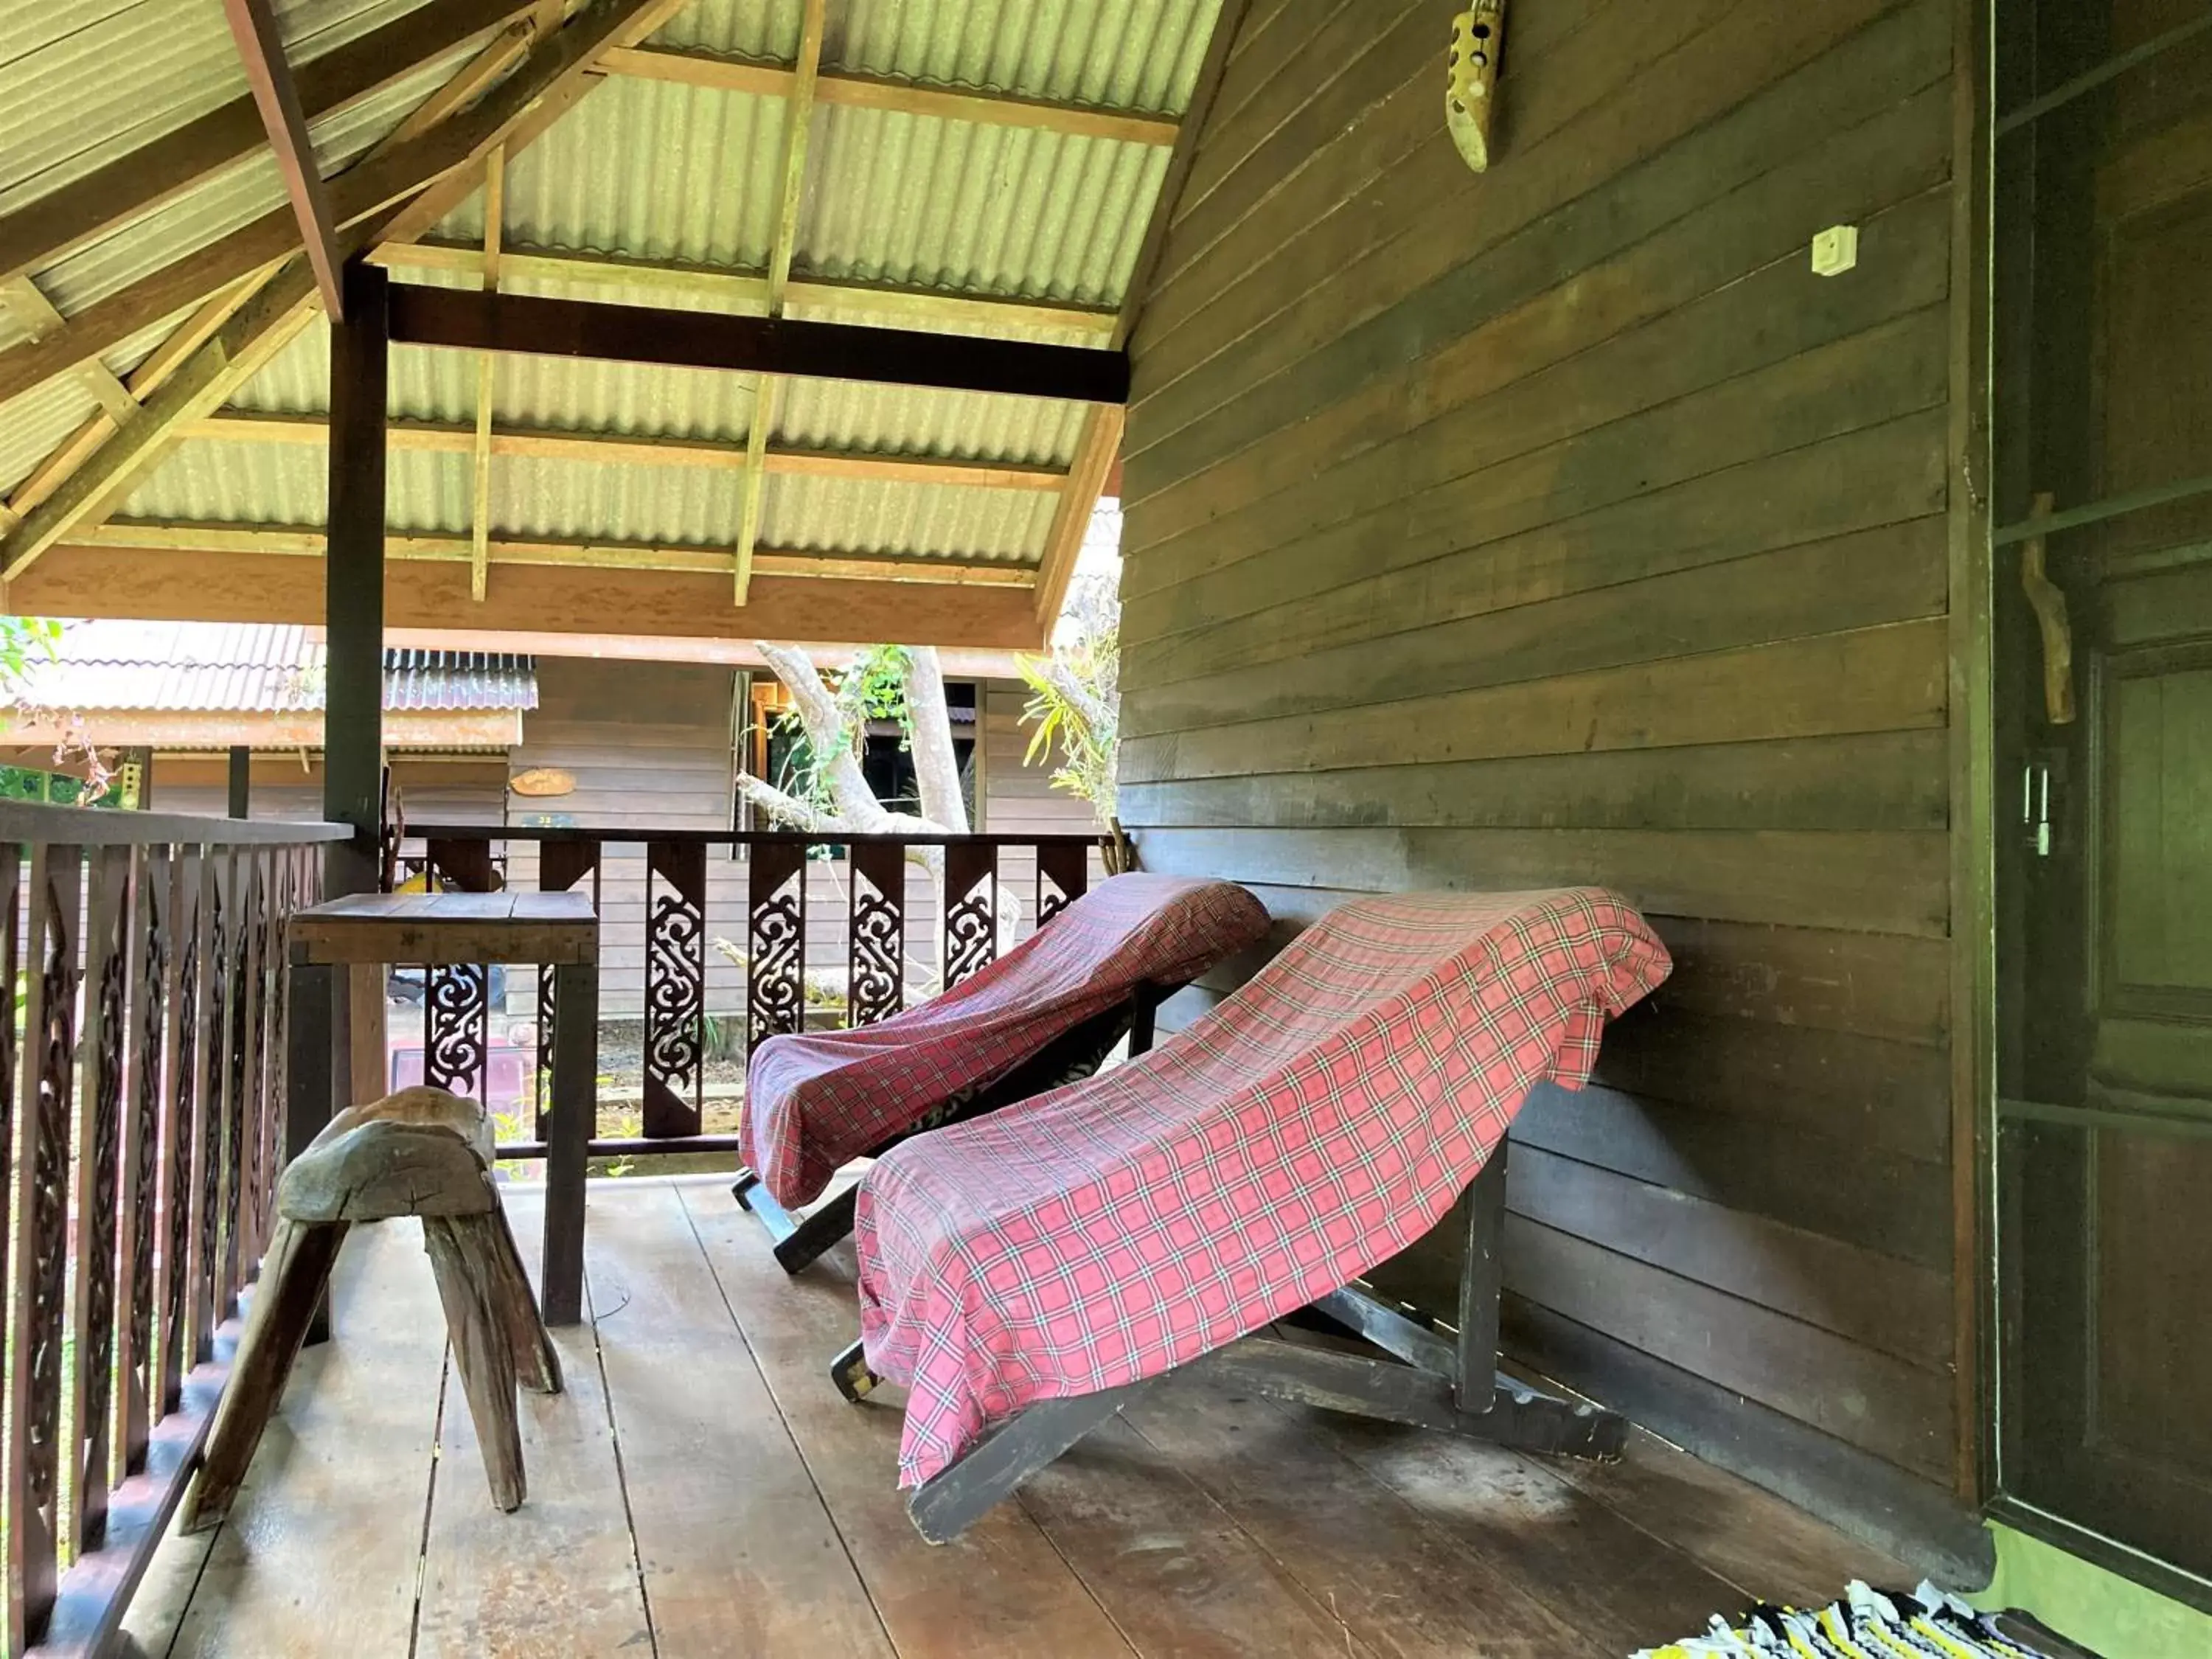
420 1152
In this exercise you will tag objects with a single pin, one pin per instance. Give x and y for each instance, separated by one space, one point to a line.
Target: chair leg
484 1352
293 1274
849 1371
537 1363
810 1236
957 1497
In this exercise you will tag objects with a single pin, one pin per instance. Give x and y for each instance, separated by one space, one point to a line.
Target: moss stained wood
1560 525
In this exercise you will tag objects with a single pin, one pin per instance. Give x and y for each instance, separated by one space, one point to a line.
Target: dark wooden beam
353 577
756 345
44 230
240 780
261 50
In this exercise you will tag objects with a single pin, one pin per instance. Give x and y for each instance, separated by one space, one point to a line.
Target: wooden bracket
2049 601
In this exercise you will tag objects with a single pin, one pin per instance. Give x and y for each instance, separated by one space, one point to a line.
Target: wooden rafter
429 173
798 117
641 334
699 68
44 230
36 315
181 537
554 443
157 583
198 388
261 50
495 209
749 290
95 474
148 377
1101 438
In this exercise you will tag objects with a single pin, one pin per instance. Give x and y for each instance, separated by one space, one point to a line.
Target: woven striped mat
1867 1624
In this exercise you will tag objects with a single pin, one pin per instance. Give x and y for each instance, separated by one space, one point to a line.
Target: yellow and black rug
1866 1624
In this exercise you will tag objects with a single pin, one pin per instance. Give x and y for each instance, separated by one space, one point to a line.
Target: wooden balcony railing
142 1105
899 930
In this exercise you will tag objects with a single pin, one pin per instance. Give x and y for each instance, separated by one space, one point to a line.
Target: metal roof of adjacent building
648 169
252 668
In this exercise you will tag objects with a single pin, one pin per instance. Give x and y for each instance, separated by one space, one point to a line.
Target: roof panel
88 81
575 500
255 667
236 196
861 515
959 205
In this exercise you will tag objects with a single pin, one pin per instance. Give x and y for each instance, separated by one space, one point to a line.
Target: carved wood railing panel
675 987
136 1158
884 956
875 957
971 909
776 941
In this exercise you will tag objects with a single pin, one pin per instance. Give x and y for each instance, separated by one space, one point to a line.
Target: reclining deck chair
1023 1273
1045 1013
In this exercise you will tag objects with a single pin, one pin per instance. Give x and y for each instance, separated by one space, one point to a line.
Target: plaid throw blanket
1317 1122
815 1101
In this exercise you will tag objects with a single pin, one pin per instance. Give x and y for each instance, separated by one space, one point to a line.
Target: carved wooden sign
1471 90
542 780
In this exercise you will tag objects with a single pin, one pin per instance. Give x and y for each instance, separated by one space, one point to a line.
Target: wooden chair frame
1072 1055
1429 1374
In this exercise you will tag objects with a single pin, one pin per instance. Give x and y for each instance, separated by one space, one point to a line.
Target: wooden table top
440 929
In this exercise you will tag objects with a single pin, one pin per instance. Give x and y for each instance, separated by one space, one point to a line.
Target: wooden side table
440 930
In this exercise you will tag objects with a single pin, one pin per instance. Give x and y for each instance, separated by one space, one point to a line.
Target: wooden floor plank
559 1577
158 1606
1001 1590
1179 1575
319 1553
738 1554
1404 1586
1621 1587
1769 1548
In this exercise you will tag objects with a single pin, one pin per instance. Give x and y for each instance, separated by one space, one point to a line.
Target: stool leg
483 1351
293 1274
537 1363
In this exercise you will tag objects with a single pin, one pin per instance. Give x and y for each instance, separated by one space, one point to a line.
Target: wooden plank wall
1560 526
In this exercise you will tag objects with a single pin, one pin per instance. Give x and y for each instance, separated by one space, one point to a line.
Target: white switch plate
1836 250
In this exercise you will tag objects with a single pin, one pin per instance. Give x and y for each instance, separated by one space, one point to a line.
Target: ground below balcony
701 1490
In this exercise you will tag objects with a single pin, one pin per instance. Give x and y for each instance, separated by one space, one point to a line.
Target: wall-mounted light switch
1836 250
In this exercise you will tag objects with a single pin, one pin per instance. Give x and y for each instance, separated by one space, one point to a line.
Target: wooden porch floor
701 1490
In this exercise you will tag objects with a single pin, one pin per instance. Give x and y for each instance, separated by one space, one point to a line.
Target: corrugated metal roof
252 668
652 170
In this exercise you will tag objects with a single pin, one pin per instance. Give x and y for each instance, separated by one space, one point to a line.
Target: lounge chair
1021 1273
1045 1013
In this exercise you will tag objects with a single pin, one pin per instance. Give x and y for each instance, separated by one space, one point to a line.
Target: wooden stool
420 1152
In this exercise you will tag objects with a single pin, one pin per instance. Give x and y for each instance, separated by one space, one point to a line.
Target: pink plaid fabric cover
815 1101
1316 1123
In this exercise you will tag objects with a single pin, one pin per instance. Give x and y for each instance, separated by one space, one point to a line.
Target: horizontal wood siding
1560 526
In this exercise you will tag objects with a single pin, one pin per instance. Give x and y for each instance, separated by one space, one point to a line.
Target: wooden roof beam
495 194
158 583
798 116
185 537
261 50
47 229
602 448
435 168
734 286
855 90
755 345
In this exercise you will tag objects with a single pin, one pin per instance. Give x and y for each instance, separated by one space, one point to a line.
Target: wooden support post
569 1138
241 781
354 582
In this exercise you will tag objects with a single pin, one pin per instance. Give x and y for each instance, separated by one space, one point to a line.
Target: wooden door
2104 437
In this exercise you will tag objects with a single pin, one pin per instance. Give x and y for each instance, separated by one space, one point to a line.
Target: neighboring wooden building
1563 526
